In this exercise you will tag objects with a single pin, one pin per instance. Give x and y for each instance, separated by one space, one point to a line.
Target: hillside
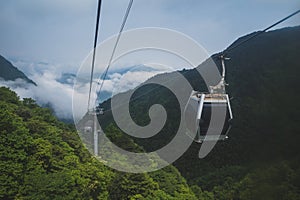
43 158
261 159
8 72
264 143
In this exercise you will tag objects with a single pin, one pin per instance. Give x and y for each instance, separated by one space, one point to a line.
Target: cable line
260 32
94 50
116 44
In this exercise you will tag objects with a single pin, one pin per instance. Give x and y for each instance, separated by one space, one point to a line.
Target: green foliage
42 158
132 186
8 96
170 181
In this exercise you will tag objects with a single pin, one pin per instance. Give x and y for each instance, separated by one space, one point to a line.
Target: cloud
130 77
55 87
116 82
123 82
47 92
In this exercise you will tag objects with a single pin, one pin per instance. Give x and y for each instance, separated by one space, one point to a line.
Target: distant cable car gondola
199 108
99 111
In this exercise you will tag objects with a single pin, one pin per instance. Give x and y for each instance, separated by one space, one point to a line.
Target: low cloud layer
47 92
55 88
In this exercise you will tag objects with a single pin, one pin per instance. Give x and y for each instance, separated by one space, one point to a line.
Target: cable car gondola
199 110
99 111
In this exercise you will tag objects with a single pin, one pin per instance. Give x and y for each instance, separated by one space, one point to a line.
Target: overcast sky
61 31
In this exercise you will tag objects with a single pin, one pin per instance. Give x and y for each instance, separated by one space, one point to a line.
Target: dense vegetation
9 72
261 159
42 158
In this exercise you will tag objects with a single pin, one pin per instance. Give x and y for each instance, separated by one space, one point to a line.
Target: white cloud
129 80
47 91
59 94
118 82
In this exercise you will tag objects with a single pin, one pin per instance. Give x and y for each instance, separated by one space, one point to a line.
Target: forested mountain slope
261 158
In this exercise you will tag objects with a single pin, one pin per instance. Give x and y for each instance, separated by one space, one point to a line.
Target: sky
61 32
45 38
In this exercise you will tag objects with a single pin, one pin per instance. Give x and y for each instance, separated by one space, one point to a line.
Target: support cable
116 44
260 32
94 51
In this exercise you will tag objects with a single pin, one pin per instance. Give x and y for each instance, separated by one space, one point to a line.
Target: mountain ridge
11 73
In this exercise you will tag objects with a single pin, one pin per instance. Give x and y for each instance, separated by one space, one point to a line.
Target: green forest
44 158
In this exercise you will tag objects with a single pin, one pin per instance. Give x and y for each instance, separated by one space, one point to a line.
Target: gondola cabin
198 116
99 111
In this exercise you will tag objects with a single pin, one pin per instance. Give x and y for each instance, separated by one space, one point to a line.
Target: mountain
263 144
8 72
260 160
